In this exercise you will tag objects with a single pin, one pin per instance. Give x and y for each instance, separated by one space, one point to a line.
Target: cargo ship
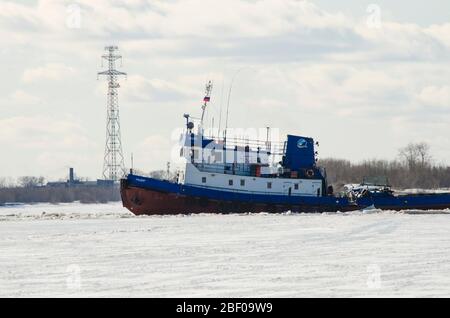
229 175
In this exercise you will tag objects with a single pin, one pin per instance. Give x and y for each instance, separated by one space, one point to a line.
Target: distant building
73 182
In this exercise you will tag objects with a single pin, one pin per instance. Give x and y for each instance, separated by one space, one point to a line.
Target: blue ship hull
385 201
142 195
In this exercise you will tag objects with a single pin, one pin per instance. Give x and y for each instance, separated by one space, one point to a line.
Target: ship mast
206 99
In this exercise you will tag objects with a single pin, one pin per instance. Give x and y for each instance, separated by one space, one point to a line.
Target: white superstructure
239 183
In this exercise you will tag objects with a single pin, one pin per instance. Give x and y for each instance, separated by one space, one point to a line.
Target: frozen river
103 250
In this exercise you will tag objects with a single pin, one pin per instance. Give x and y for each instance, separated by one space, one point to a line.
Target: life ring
310 173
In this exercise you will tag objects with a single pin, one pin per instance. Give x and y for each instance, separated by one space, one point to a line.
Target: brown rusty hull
141 201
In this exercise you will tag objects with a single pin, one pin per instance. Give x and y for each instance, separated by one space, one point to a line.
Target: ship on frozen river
226 175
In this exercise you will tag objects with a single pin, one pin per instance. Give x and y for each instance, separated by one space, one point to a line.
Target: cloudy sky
363 78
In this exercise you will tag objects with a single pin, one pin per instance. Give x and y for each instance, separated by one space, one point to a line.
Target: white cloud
441 32
435 96
20 97
44 132
140 89
45 145
51 71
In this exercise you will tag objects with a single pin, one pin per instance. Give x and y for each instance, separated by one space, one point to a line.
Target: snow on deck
103 250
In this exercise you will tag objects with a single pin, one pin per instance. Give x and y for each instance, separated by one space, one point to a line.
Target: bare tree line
84 194
29 182
23 182
414 168
30 189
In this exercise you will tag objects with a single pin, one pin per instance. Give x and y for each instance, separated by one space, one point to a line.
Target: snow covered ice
103 250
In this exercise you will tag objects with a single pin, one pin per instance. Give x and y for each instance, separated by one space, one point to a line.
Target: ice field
70 250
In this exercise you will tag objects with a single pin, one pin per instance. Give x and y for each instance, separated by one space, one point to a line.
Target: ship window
242 182
296 186
230 182
203 179
269 185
